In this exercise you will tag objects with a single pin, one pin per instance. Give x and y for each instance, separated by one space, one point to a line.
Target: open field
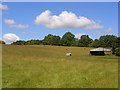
48 67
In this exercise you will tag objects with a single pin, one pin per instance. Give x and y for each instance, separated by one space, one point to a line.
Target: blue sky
103 14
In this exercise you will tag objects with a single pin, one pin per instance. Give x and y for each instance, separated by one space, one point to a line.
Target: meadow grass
49 67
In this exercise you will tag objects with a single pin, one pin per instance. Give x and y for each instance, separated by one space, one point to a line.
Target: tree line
68 39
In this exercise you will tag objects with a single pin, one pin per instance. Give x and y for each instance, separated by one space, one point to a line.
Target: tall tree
108 40
48 39
118 42
56 40
96 43
84 41
51 40
68 39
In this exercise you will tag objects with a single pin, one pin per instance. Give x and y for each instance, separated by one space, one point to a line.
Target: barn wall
100 53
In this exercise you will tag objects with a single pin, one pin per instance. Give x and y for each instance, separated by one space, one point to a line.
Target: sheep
68 54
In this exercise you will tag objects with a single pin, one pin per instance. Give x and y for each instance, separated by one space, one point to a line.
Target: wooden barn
100 51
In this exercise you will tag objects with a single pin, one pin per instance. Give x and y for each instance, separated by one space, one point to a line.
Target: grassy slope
40 67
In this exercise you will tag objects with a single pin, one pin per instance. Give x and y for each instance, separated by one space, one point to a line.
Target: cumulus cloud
3 7
65 20
78 35
10 37
13 24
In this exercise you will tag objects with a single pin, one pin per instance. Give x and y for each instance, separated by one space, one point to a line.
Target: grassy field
49 67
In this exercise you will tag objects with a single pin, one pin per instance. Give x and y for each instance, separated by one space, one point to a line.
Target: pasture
49 67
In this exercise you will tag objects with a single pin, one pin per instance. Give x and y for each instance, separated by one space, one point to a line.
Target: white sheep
68 54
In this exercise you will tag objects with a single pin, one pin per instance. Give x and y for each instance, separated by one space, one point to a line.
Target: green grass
49 67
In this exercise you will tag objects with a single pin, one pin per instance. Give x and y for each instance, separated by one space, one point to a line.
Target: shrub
2 42
117 51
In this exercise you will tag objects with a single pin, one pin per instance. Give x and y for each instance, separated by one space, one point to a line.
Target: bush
117 51
2 42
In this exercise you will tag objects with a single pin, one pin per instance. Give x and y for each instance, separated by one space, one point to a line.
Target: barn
100 51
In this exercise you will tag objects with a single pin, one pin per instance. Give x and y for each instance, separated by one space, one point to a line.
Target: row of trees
68 39
29 42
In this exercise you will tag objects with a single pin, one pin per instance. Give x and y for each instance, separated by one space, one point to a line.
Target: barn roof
101 49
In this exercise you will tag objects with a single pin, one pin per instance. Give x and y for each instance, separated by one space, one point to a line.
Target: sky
35 20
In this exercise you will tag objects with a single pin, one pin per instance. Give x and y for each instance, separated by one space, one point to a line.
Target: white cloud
29 33
109 31
3 7
20 26
78 35
10 37
9 22
13 24
65 20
